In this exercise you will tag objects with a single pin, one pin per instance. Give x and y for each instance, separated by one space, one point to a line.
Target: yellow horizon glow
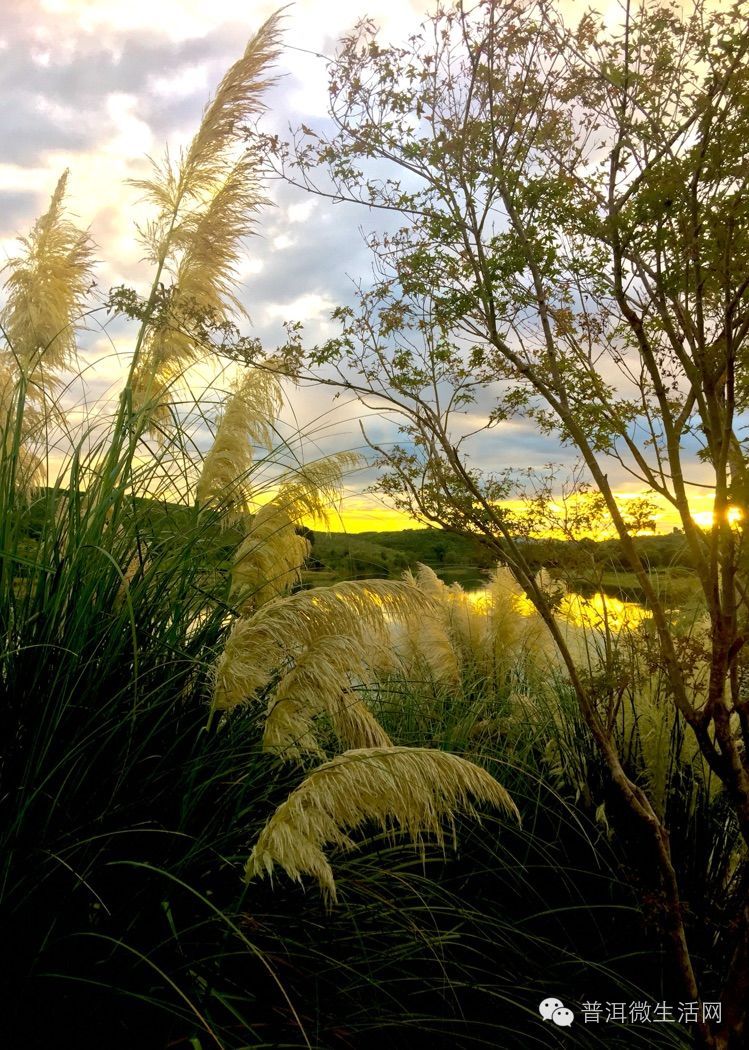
363 516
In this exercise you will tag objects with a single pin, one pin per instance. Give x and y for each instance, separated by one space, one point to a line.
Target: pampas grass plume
246 421
283 629
270 559
318 684
205 207
46 288
415 791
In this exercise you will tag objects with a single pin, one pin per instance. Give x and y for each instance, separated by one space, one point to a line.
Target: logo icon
554 1010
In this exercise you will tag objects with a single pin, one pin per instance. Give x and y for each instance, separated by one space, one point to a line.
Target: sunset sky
95 85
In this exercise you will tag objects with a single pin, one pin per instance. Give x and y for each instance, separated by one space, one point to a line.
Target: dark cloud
323 259
28 131
18 209
75 80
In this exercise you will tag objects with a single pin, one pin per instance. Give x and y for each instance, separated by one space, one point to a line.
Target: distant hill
344 556
587 566
340 555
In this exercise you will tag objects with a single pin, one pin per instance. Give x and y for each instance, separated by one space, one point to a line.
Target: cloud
18 209
95 84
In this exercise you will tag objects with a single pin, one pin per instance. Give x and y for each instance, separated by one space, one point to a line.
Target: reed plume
489 634
517 632
423 643
46 289
206 206
246 422
270 559
314 489
281 631
413 791
318 684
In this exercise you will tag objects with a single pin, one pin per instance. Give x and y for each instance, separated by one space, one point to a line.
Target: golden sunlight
598 612
601 612
706 519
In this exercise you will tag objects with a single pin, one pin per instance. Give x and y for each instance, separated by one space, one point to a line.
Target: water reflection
602 612
598 611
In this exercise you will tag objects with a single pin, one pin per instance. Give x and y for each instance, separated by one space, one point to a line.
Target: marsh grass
126 822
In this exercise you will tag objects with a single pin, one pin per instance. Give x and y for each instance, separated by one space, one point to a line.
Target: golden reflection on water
598 611
602 612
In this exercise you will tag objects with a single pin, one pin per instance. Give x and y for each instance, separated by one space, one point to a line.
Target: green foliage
126 823
358 555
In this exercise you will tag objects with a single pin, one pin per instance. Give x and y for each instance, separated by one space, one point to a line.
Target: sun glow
360 514
706 519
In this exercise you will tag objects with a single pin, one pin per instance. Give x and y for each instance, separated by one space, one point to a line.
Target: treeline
658 552
391 553
388 553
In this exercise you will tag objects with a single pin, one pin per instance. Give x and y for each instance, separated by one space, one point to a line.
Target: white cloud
298 213
185 82
282 242
114 68
132 136
310 307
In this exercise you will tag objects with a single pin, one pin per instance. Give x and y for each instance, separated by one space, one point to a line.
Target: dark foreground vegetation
126 823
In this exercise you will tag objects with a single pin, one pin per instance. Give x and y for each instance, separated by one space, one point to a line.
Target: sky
96 85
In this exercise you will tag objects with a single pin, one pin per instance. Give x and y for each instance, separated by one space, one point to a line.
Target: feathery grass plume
423 643
498 630
22 432
270 559
314 489
245 422
427 579
134 567
415 791
238 98
318 684
278 633
651 730
455 636
206 207
482 638
204 279
553 589
207 162
464 620
46 289
515 623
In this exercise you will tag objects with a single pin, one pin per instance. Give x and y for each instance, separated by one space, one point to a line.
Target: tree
572 248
